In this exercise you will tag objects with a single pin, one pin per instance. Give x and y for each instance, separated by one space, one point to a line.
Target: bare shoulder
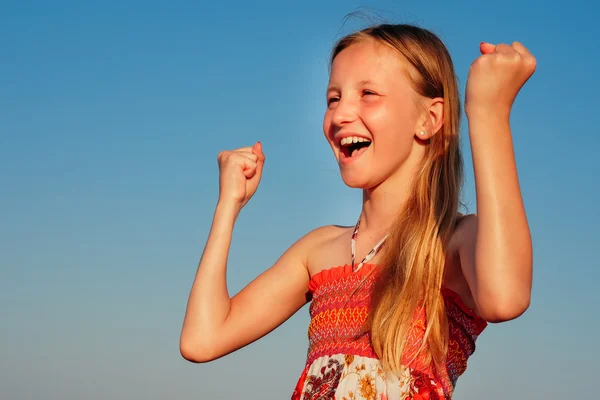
325 236
327 233
305 247
328 245
316 236
309 247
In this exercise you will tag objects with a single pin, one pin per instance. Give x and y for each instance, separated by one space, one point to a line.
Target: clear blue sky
111 117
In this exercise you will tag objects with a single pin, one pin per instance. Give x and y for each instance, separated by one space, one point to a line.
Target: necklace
370 255
355 268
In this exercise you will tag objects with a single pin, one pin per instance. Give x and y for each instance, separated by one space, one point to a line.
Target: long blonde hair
415 250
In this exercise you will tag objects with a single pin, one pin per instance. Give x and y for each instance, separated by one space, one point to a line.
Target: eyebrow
361 83
366 82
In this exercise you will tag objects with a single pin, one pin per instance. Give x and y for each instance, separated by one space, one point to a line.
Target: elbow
196 352
500 309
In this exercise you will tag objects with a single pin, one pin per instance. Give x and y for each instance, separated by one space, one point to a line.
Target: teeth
352 139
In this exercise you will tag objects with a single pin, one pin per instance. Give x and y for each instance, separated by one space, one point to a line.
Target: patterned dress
341 362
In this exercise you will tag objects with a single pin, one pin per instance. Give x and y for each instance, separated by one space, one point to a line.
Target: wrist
228 209
487 115
494 112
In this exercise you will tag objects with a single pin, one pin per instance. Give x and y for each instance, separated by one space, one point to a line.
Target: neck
383 203
382 206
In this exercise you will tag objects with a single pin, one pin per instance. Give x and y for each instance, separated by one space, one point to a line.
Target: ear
432 118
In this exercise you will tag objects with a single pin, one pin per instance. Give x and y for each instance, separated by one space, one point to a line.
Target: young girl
399 299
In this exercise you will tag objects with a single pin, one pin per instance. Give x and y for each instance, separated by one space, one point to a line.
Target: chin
356 182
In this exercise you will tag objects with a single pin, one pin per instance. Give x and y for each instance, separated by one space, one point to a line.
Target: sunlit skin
370 95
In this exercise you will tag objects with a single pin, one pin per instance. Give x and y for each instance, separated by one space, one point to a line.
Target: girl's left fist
496 77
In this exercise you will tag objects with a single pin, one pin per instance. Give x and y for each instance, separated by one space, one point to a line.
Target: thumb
257 150
486 48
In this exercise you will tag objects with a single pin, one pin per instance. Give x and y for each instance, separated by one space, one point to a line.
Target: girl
399 299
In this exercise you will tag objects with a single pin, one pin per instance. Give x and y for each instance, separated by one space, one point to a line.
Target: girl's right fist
239 173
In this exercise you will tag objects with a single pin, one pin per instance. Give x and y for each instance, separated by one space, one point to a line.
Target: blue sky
112 115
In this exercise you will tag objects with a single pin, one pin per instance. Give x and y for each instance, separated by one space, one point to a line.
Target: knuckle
223 155
233 157
478 63
509 58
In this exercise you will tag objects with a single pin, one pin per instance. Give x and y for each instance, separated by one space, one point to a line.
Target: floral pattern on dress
341 362
324 384
360 378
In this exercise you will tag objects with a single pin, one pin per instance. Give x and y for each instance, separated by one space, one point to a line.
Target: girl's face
372 113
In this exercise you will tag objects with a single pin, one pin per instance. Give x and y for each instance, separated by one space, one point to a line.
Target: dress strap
369 256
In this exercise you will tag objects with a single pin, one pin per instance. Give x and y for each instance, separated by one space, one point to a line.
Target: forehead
368 60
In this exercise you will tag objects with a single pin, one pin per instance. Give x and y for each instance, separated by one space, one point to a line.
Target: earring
422 133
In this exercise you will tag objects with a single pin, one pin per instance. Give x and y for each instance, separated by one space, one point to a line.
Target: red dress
341 362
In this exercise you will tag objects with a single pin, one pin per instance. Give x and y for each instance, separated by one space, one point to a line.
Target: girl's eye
368 92
332 100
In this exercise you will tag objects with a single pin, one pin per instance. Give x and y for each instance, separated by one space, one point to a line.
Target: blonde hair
415 251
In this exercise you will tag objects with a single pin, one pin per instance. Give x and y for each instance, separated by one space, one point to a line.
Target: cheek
387 124
327 131
392 129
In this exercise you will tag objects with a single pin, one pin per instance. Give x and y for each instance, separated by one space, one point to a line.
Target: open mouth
353 146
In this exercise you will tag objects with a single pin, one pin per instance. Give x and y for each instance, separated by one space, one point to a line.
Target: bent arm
215 324
496 248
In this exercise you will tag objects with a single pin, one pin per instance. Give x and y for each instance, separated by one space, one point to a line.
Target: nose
345 111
